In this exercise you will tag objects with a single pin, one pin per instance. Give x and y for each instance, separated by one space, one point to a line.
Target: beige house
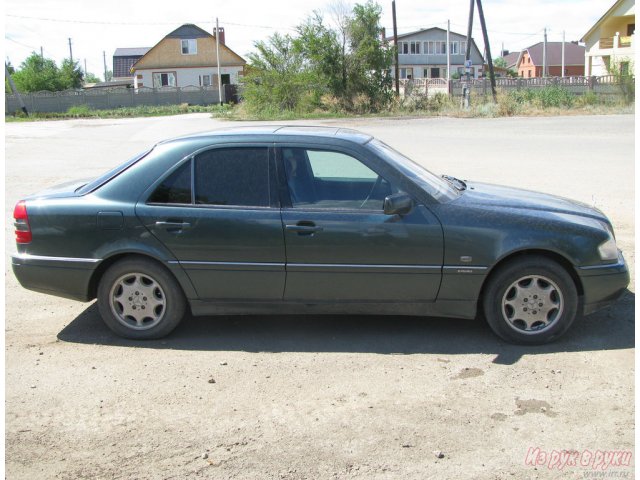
610 43
187 56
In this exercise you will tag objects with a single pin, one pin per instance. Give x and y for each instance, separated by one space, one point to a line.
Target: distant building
512 60
187 56
531 60
610 43
423 54
123 60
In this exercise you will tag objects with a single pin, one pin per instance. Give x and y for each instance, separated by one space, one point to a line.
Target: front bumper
603 284
60 276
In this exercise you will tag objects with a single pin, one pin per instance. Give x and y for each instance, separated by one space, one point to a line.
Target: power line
96 22
19 43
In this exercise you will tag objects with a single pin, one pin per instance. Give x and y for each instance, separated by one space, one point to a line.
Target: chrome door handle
181 225
304 228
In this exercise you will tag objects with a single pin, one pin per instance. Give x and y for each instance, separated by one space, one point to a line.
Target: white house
610 43
187 56
423 54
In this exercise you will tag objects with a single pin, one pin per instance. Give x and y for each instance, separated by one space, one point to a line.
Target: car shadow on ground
608 329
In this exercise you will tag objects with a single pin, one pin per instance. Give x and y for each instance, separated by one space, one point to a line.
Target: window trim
273 195
175 78
285 196
195 45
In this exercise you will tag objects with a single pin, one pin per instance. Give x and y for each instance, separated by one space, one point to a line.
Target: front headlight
608 250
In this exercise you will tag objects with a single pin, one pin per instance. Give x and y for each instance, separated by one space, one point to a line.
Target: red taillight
23 230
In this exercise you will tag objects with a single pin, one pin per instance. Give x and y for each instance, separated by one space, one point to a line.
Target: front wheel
139 299
531 301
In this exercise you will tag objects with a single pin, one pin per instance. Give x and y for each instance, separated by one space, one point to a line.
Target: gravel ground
324 397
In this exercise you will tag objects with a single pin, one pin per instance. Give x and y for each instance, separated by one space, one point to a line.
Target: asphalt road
324 397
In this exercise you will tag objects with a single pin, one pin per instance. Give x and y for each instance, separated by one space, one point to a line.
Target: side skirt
444 308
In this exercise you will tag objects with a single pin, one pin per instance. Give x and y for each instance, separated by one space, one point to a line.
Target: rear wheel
139 299
531 301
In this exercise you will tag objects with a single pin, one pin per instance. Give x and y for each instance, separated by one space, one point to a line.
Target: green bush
79 111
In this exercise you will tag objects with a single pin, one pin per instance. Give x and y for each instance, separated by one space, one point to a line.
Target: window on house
453 48
441 48
189 47
631 28
415 48
624 68
205 80
463 48
167 79
428 48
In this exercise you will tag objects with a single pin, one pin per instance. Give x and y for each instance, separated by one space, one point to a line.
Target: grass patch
84 111
544 101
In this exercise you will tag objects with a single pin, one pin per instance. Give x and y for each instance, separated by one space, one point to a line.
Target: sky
102 26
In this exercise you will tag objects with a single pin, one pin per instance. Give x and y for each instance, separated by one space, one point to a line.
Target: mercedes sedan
312 220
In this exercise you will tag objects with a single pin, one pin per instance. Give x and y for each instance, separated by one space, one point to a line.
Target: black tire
140 299
516 316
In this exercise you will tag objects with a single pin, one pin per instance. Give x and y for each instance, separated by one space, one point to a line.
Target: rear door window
233 176
176 188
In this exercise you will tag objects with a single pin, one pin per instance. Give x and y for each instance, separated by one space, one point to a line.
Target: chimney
505 53
221 31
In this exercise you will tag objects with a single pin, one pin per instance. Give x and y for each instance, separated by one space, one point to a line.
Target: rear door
218 213
340 244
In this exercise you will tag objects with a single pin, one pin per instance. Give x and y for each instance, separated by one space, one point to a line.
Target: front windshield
435 186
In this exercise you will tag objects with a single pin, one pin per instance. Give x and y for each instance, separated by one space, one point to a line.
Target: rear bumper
60 276
603 284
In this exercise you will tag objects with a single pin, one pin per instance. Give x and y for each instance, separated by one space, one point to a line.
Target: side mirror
398 204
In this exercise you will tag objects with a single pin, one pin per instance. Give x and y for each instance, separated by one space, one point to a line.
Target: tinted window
233 176
332 180
176 188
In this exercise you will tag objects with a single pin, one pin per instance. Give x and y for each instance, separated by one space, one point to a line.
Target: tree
370 59
319 47
349 61
277 77
11 70
91 78
71 75
500 62
37 73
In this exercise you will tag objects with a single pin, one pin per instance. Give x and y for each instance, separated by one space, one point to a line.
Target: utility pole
104 60
544 54
70 51
15 90
41 53
395 43
448 50
562 73
466 89
218 61
485 35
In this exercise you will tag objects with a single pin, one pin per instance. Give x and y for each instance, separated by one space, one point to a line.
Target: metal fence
605 85
107 98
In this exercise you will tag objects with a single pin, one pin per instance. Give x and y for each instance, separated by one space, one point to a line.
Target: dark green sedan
317 220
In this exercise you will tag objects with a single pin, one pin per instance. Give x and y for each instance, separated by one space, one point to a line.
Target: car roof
275 132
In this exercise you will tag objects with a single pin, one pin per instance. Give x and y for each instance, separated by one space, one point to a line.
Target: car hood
496 196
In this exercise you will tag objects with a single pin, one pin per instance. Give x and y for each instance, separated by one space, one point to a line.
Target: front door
341 246
219 215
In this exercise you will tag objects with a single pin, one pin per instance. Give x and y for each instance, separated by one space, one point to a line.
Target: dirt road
324 397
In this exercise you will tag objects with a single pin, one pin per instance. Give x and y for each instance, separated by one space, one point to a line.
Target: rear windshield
102 179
